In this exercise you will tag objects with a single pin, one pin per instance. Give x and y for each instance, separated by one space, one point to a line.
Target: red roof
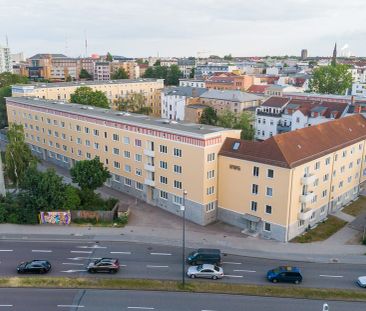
276 102
258 89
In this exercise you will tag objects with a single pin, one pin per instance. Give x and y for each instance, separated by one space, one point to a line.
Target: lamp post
183 209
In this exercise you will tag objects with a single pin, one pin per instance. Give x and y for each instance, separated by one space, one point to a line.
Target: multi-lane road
101 300
145 261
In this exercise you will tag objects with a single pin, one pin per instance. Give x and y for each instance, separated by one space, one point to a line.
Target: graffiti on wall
57 218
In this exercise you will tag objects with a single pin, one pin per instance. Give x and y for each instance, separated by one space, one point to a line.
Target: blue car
285 274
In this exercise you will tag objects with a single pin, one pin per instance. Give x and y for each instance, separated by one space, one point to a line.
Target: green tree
244 123
228 57
7 79
136 103
84 74
226 119
192 73
4 92
170 74
208 116
72 198
84 95
18 156
157 63
89 174
333 79
109 57
120 73
173 75
68 78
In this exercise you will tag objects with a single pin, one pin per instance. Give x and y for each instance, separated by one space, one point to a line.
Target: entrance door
252 226
150 195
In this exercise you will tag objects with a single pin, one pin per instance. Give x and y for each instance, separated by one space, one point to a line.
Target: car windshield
193 254
277 270
199 267
217 268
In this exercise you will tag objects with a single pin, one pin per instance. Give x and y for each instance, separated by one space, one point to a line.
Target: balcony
149 182
305 214
306 198
283 128
269 114
308 179
150 168
150 153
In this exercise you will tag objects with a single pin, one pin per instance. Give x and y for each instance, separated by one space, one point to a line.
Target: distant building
193 113
102 71
192 83
5 60
359 89
280 90
130 67
207 70
229 81
185 66
304 54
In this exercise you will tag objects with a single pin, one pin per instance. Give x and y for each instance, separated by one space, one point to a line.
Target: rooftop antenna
86 44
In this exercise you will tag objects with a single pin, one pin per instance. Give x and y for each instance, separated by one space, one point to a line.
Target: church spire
334 58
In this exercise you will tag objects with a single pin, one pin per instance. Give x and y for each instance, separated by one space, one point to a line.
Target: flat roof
86 83
176 127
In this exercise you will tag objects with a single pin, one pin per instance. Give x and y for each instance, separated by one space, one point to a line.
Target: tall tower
334 58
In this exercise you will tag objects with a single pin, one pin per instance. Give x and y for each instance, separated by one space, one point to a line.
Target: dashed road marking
73 271
233 276
123 253
249 271
41 251
231 263
331 276
141 308
81 252
9 306
73 264
70 306
94 246
6 250
161 254
151 266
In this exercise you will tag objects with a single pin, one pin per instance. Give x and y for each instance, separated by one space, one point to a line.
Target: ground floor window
267 226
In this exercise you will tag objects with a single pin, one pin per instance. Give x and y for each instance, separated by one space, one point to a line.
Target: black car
110 265
204 256
34 266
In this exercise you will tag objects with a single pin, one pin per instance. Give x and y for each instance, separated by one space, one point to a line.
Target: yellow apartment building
152 159
113 89
278 188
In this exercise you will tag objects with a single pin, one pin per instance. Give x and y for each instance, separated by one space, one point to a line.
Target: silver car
361 281
205 271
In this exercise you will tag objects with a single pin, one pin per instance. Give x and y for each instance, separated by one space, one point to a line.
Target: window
177 169
63 136
269 191
270 173
78 128
268 209
49 132
211 174
317 165
325 177
86 129
236 145
116 151
177 200
210 190
126 140
255 171
128 182
88 155
349 179
96 146
138 143
139 186
177 184
116 165
344 153
177 152
340 184
254 189
96 132
342 169
127 168
163 165
327 161
163 180
78 140
324 193
126 154
116 178
350 165
163 195
210 206
211 157
115 137
335 157
253 206
358 161
80 153
87 143
267 227
316 182
301 223
163 149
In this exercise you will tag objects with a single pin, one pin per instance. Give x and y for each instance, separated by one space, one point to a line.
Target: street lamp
183 209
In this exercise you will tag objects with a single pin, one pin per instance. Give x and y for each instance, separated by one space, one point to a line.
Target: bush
364 241
122 220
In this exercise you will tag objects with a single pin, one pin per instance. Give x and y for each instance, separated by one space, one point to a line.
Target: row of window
270 172
255 190
254 207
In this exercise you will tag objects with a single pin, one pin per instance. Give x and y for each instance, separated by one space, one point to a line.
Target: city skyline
139 29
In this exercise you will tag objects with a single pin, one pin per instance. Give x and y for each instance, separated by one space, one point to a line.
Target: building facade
5 60
102 71
130 67
280 187
192 83
148 158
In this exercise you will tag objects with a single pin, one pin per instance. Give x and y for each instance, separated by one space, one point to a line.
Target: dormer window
236 146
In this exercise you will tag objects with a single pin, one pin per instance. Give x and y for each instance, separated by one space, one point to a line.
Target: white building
5 60
284 114
102 71
359 89
192 83
174 100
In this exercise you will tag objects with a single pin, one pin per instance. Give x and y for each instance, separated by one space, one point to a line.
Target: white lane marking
70 306
249 271
72 271
73 263
232 263
233 276
207 310
41 251
6 305
124 253
94 246
331 276
161 254
81 252
6 250
83 258
141 308
150 266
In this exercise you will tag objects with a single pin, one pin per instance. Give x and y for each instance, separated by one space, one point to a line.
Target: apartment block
130 67
114 90
5 60
151 159
278 188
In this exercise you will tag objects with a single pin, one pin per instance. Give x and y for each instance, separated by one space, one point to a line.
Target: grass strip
206 287
356 208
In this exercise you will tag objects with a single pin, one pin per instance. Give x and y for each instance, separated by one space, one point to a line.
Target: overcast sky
138 28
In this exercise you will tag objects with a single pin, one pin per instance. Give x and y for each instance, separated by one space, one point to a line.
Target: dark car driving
110 265
34 266
285 274
204 256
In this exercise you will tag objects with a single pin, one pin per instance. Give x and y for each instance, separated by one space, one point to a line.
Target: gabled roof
276 102
294 148
258 89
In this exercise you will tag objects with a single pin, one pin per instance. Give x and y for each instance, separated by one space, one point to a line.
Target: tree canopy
8 78
135 102
84 95
109 57
332 79
171 75
120 73
208 116
84 74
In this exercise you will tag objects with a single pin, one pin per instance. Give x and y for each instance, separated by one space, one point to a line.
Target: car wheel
214 277
274 281
192 276
297 282
91 270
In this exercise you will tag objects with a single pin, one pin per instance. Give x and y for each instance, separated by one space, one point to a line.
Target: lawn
357 207
322 232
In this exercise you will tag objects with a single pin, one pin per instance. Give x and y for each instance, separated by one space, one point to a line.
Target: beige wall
236 107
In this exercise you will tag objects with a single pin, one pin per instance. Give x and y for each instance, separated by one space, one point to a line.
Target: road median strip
207 287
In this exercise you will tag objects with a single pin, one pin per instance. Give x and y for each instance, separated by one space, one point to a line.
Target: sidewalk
150 224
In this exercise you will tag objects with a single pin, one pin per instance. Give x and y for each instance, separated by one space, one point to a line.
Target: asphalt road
103 300
69 258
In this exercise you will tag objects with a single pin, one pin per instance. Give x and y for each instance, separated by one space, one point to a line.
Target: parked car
361 281
205 271
110 265
34 266
285 274
204 256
